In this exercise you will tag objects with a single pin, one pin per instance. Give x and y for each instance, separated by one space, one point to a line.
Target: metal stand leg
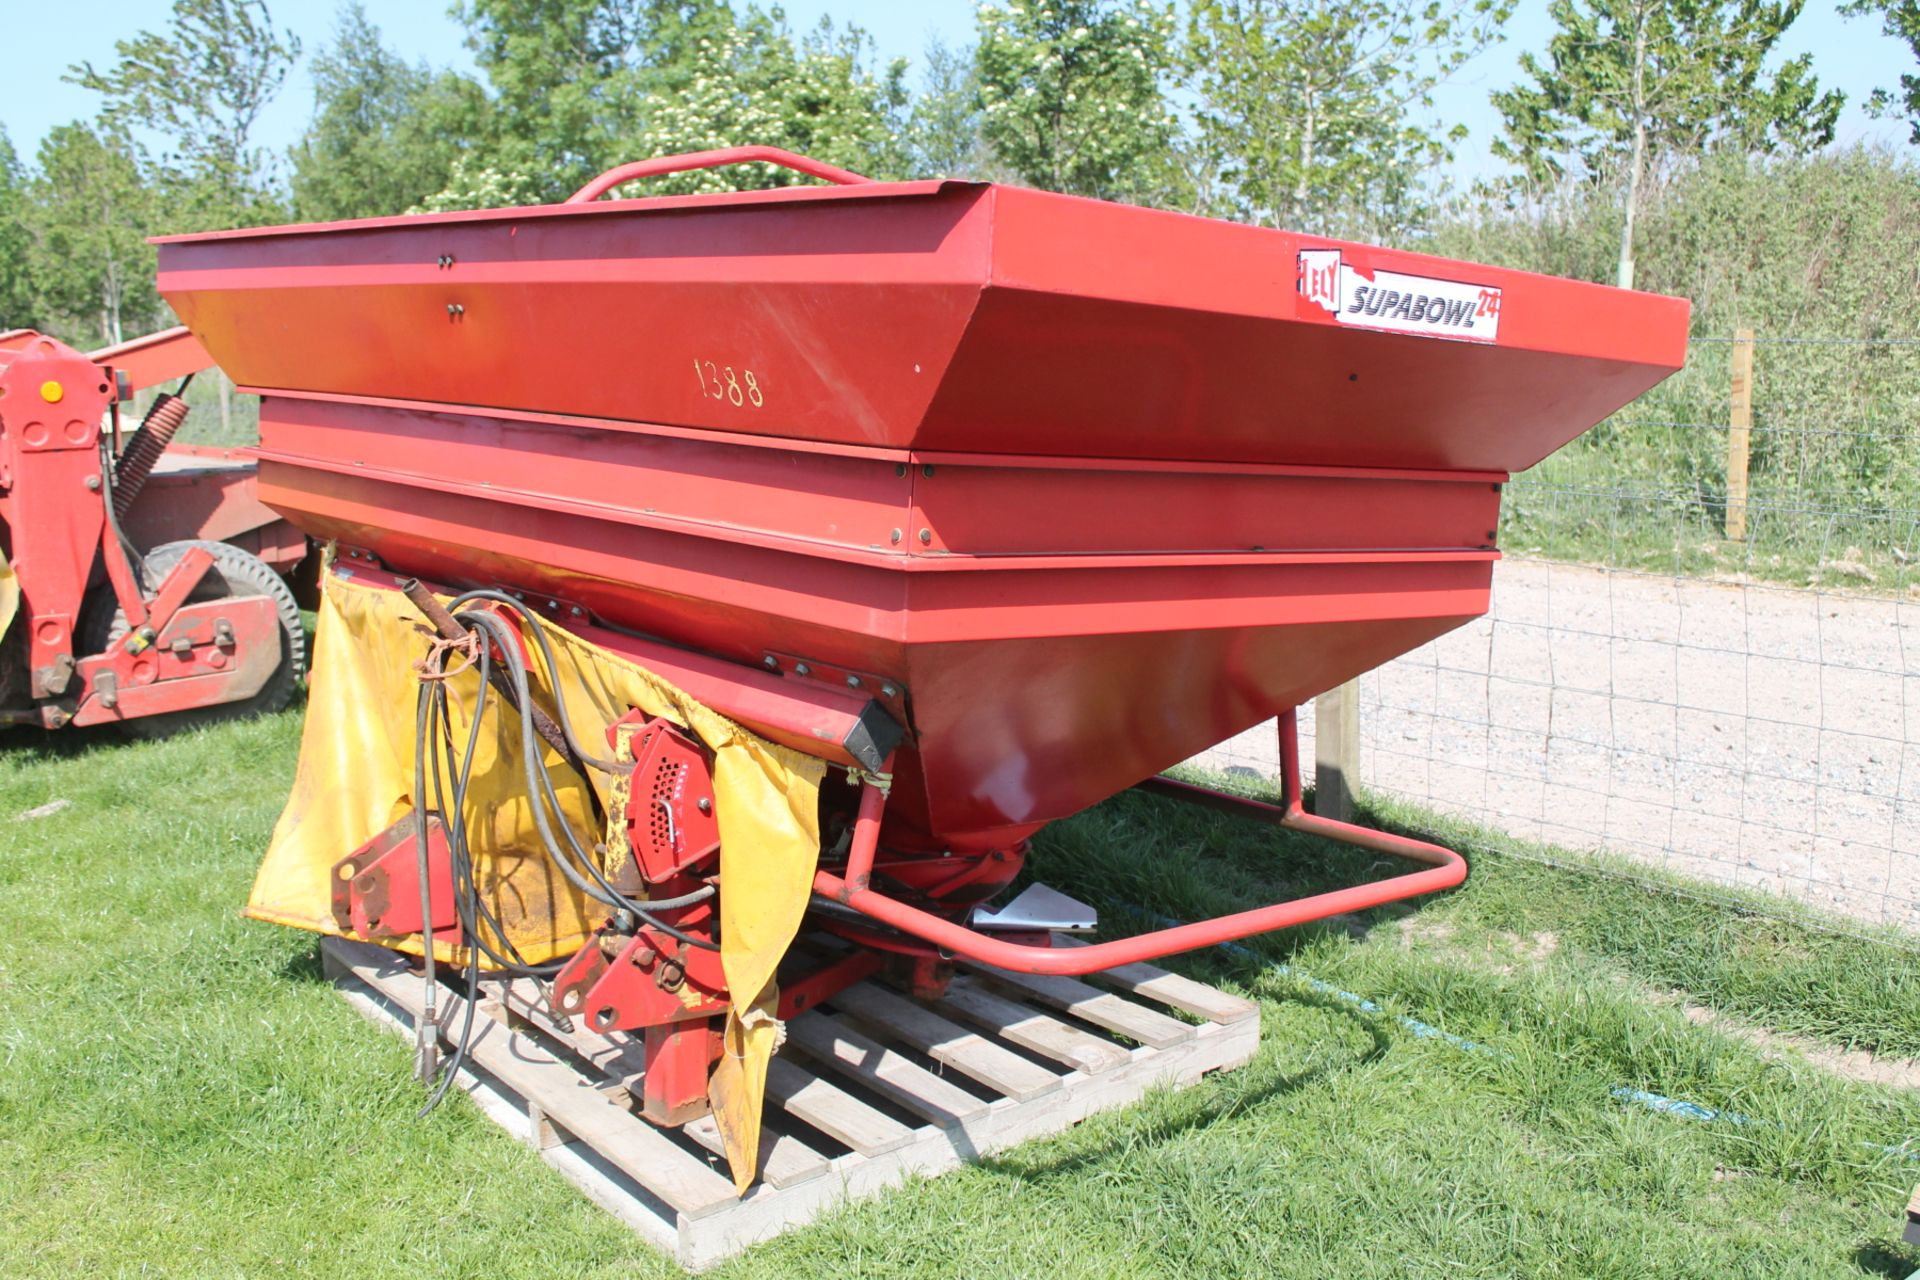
1444 870
679 1057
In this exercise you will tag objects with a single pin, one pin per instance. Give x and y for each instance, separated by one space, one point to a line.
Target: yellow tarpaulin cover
9 595
355 779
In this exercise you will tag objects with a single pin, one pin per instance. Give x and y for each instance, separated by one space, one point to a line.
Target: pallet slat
948 1043
1174 990
1101 1008
785 1161
634 1146
832 1041
1039 1032
833 1111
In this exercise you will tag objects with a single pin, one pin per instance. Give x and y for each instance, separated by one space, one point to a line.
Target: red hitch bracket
376 888
621 983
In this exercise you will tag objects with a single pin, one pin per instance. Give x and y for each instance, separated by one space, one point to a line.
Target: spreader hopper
1090 487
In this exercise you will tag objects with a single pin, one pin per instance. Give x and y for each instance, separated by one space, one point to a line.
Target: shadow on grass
1875 1259
303 966
25 743
1149 858
1184 1109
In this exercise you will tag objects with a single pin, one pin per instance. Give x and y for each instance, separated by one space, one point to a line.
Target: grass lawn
181 1093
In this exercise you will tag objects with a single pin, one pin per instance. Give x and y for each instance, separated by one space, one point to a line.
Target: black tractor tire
233 573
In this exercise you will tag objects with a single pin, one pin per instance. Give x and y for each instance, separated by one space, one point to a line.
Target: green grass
1763 959
181 1093
1630 500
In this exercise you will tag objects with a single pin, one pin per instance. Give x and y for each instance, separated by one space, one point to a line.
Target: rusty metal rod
451 628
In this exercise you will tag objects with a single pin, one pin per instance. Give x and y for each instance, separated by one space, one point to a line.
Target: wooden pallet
869 1089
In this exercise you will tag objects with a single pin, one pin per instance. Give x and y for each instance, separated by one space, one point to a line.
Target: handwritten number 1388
722 382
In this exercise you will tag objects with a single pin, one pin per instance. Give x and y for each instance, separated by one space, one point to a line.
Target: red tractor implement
986 502
141 584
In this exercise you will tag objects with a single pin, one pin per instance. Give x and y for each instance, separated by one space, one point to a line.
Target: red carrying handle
711 160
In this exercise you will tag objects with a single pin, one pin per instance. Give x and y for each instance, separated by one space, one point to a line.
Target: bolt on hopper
1000 501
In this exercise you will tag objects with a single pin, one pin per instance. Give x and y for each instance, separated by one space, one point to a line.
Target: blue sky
41 40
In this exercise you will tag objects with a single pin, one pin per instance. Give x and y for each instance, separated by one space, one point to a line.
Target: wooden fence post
1336 751
1739 432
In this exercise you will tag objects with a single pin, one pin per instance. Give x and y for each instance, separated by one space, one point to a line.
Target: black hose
541 792
467 903
453 817
538 626
434 740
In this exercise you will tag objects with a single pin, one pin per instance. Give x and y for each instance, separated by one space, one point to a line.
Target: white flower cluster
472 185
755 86
1072 91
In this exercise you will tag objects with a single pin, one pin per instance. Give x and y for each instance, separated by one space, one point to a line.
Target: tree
750 82
385 134
1306 105
1901 20
1073 94
944 126
17 309
89 220
1633 84
202 83
571 78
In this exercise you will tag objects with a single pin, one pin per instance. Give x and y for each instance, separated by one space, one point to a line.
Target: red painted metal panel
158 357
607 315
1124 662
958 317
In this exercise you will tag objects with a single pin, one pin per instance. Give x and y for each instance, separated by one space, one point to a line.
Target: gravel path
1751 734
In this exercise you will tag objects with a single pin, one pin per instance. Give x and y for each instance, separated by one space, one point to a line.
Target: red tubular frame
1445 869
622 174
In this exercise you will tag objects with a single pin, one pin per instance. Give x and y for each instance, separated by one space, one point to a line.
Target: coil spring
143 450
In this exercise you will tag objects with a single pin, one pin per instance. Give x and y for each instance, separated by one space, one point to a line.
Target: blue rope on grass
1425 1031
1674 1106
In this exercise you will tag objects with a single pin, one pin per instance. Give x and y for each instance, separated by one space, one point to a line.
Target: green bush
1819 256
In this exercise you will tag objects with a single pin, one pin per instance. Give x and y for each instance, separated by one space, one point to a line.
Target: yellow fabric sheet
355 779
9 595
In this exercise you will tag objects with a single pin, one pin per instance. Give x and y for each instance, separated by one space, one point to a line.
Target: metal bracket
642 985
1039 908
376 888
890 694
51 680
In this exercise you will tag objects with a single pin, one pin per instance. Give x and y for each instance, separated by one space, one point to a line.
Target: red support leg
1443 870
680 1056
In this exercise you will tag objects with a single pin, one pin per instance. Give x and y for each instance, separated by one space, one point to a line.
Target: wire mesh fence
1740 704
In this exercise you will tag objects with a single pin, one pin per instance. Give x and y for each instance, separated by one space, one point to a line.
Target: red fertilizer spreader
1016 499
